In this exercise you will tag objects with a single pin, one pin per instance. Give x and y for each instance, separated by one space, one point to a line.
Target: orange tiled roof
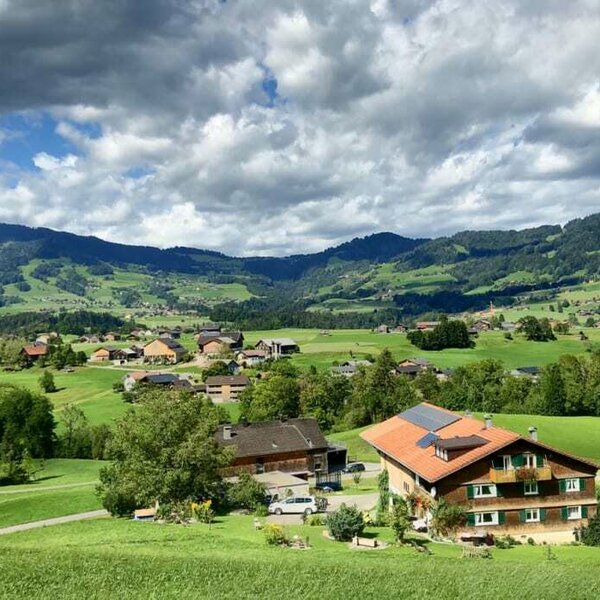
36 350
398 439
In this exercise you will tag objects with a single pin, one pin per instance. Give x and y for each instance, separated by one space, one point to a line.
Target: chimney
488 421
533 433
226 432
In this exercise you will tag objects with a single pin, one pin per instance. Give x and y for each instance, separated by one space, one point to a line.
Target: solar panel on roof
428 417
427 440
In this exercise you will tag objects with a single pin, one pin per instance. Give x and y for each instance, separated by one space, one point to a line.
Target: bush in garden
314 520
203 512
345 523
275 535
590 535
399 519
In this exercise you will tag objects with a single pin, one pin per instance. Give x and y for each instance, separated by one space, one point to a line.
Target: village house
411 367
209 329
276 347
225 342
126 355
295 446
164 350
509 484
170 380
426 325
226 388
349 367
532 372
382 328
89 338
112 336
251 358
103 354
47 338
33 352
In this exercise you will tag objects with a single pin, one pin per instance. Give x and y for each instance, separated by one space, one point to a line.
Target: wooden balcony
514 475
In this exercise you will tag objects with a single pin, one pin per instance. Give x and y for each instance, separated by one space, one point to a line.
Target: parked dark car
355 467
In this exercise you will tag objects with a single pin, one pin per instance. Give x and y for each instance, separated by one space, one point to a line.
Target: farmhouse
112 336
164 350
33 352
508 483
427 325
349 368
90 338
103 354
251 358
294 446
170 380
227 341
277 347
411 367
226 388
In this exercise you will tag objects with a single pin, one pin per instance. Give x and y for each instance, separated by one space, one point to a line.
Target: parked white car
298 505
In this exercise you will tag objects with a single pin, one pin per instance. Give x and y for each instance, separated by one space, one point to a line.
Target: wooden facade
288 462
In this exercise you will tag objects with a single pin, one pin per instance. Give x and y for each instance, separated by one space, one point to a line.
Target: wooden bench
364 542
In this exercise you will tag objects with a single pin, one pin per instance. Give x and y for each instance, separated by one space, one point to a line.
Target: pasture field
575 435
61 487
90 388
108 558
344 344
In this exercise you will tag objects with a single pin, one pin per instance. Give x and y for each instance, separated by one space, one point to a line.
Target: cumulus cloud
278 127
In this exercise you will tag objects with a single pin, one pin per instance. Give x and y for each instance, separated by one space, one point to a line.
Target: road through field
94 514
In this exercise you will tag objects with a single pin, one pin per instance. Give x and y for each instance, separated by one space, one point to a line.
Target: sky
256 127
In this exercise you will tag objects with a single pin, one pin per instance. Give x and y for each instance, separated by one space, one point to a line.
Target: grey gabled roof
227 380
273 437
428 417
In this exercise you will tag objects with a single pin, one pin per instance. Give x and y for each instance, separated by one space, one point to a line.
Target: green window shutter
562 485
501 517
539 460
517 461
582 483
542 514
470 492
471 519
584 512
499 492
564 513
522 516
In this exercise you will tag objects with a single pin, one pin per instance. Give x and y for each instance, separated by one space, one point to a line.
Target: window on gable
531 489
530 461
484 491
572 485
441 453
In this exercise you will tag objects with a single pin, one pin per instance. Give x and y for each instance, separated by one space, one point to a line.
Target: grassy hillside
61 487
105 558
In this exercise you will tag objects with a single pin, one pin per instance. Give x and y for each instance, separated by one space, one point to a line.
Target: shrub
247 492
203 512
506 542
399 519
447 518
314 520
590 535
345 523
275 535
261 511
531 541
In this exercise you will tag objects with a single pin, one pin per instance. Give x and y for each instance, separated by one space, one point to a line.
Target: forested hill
383 270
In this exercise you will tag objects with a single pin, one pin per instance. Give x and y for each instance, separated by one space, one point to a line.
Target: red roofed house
509 484
33 352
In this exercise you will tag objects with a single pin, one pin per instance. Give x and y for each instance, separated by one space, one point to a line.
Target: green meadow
116 558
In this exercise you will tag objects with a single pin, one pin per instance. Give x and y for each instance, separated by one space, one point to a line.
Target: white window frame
478 491
479 522
534 488
530 460
507 462
577 516
532 515
441 453
572 485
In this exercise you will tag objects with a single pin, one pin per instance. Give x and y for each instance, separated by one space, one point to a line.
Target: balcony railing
520 474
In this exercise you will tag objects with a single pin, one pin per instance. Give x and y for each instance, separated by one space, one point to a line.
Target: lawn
344 344
109 558
61 487
576 435
90 388
358 449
